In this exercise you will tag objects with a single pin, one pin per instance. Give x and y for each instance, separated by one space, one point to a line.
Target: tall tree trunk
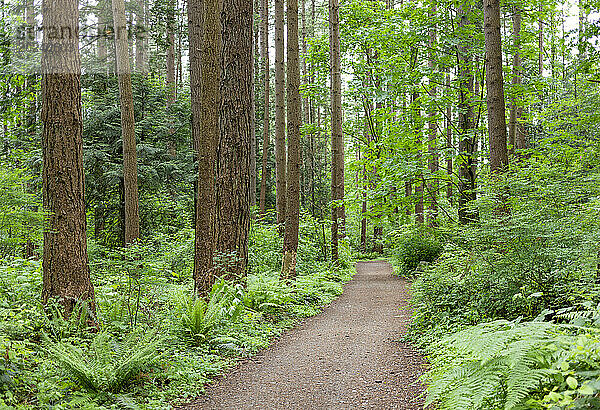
132 216
179 68
29 129
408 196
232 218
467 144
419 215
170 79
141 38
495 86
337 139
255 57
541 40
101 31
264 52
363 179
294 112
66 273
449 144
515 131
280 152
305 101
433 163
204 21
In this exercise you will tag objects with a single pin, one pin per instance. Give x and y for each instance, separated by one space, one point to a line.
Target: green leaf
586 389
572 382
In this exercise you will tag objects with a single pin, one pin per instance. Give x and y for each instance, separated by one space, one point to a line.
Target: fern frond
72 361
497 361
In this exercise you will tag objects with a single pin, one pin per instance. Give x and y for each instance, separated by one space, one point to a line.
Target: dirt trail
348 357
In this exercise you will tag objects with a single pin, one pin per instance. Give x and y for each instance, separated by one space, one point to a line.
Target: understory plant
202 320
109 364
266 292
512 365
413 246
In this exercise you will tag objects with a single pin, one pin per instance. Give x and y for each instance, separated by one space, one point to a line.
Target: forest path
347 357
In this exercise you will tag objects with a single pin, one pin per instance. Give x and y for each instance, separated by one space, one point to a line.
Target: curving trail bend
347 357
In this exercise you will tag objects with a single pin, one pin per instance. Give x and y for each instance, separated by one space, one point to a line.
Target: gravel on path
348 357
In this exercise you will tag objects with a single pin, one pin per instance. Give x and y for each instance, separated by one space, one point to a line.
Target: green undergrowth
508 310
411 248
155 345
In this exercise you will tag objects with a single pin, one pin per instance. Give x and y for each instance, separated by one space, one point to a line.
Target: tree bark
449 144
294 112
337 139
66 273
101 42
541 41
408 196
305 100
254 53
495 86
433 163
467 144
515 129
204 21
280 152
419 215
141 39
132 217
232 217
170 78
264 52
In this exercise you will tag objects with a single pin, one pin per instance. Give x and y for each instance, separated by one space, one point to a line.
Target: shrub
413 248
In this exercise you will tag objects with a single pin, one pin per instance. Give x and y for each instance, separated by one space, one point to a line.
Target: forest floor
349 356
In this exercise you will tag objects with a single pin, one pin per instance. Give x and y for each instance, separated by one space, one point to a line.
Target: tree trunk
170 79
408 196
204 21
132 217
433 163
232 218
515 131
101 42
467 143
254 56
264 52
449 144
280 153
541 41
495 86
292 216
66 273
419 216
305 101
337 139
141 39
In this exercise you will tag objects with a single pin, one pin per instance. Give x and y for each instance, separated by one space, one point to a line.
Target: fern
498 360
108 366
73 363
201 319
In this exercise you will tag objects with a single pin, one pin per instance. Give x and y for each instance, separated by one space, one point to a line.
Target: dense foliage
528 273
154 343
505 303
